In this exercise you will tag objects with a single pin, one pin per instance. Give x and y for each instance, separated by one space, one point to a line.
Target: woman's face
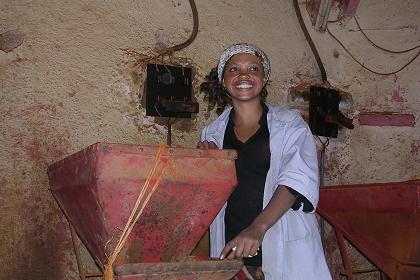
244 77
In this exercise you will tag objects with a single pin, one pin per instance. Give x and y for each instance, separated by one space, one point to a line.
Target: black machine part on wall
169 91
324 114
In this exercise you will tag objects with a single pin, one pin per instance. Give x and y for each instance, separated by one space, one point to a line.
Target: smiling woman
218 96
244 78
268 221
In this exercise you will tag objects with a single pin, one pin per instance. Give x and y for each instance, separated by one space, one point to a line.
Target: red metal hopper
381 220
97 188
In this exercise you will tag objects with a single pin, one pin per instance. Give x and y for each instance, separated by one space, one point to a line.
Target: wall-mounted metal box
169 91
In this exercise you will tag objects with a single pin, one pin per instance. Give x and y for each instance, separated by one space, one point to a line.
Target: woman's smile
244 77
244 84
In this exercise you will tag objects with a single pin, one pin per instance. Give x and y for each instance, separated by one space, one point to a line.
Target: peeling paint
396 96
415 146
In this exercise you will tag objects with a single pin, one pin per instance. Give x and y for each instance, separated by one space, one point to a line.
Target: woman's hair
216 95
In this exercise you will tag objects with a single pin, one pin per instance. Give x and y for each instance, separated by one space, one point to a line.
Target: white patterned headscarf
243 48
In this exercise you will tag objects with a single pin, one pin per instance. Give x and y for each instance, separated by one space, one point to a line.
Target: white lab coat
292 248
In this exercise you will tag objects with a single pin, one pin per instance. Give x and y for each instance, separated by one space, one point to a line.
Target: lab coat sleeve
299 164
203 134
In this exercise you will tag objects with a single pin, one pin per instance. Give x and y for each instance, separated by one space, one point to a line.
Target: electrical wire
194 31
192 37
324 146
310 42
367 68
379 47
170 50
169 135
338 19
334 21
157 110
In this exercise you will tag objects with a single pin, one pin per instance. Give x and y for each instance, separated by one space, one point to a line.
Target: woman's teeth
243 86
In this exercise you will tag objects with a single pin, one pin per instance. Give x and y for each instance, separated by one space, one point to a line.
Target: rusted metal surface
298 99
97 188
380 220
189 270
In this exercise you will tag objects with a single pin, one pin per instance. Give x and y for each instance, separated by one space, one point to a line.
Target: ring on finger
251 256
234 248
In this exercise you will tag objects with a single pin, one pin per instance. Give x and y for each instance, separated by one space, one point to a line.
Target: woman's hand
246 244
205 145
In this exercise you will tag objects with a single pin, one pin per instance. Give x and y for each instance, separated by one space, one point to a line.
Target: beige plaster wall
77 80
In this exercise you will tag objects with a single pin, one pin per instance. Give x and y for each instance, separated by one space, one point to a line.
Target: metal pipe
77 253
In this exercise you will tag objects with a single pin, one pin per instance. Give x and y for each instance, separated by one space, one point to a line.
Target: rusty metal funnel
381 220
97 188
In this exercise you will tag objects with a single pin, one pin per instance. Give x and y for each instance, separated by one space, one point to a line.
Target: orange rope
136 212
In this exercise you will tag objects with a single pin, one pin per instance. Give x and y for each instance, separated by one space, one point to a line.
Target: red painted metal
387 119
97 188
381 220
196 270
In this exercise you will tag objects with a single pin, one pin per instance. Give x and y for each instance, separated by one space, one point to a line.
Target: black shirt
252 164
